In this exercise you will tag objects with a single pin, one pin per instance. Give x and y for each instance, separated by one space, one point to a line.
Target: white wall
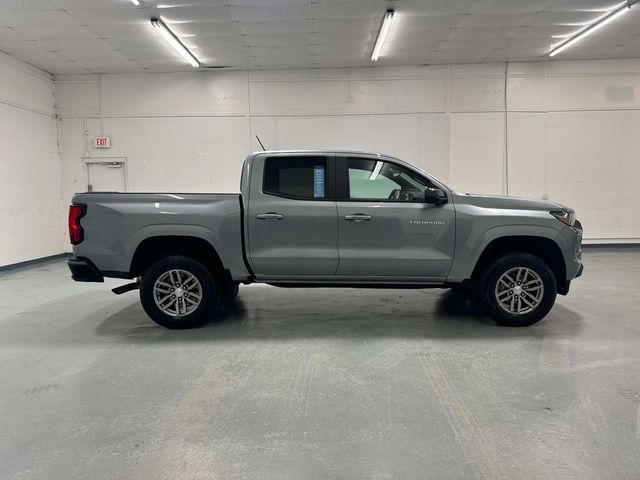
571 130
31 214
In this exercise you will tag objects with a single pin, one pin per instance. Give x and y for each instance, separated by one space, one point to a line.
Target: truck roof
352 152
349 152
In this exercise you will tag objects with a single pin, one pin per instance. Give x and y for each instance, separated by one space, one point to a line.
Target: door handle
270 216
358 217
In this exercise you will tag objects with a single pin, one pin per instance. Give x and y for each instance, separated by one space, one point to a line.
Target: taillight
76 212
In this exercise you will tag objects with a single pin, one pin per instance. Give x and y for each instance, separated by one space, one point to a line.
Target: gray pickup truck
326 219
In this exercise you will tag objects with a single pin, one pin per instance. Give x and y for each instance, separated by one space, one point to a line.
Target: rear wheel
179 292
517 289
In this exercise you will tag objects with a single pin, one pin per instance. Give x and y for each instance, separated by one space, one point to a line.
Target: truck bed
115 224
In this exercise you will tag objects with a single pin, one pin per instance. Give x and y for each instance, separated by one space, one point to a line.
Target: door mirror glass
434 196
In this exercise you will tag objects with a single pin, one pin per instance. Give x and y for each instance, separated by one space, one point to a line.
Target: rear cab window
300 178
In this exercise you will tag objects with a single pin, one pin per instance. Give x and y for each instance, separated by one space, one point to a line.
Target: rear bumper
83 270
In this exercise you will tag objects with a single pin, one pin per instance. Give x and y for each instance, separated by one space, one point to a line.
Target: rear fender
178 230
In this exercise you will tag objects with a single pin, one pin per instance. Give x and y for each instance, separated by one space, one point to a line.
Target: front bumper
570 242
573 252
83 270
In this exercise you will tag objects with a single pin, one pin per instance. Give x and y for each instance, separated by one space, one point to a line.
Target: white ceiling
114 36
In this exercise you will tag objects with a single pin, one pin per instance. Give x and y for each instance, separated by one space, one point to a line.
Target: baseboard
609 246
610 241
35 261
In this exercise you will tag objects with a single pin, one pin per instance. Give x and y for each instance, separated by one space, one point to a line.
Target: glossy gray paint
116 224
303 242
313 242
481 219
400 240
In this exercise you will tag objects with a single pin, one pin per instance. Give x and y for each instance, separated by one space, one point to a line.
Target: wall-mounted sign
102 142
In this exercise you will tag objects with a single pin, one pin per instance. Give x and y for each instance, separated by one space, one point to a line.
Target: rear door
291 216
385 227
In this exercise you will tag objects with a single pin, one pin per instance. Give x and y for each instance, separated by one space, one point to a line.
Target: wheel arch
152 249
542 247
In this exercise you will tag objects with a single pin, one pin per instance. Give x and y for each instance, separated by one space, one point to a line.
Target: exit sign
102 142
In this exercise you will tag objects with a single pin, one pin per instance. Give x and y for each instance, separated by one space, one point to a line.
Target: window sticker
318 181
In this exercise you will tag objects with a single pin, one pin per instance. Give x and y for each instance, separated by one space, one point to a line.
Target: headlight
565 216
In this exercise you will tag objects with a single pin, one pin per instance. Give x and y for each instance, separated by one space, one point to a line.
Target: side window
377 180
301 178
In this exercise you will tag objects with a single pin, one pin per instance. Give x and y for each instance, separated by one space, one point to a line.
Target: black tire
485 289
206 308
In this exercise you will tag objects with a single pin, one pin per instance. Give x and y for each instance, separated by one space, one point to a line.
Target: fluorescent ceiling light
170 37
601 22
135 2
382 34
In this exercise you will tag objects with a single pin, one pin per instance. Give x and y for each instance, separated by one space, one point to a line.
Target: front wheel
179 292
517 289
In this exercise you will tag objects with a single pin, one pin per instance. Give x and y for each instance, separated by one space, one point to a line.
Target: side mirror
434 196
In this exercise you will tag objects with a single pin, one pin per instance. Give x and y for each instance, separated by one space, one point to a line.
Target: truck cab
356 217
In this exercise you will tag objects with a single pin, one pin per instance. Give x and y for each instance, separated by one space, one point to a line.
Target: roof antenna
258 138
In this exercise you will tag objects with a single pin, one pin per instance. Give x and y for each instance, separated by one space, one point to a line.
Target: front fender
470 245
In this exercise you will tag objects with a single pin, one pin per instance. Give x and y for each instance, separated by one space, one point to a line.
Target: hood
498 201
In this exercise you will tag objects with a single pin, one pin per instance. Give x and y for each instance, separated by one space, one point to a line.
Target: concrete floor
320 384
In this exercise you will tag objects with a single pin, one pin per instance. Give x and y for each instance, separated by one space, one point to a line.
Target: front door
385 227
291 217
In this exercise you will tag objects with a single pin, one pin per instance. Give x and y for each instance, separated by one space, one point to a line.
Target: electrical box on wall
102 142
